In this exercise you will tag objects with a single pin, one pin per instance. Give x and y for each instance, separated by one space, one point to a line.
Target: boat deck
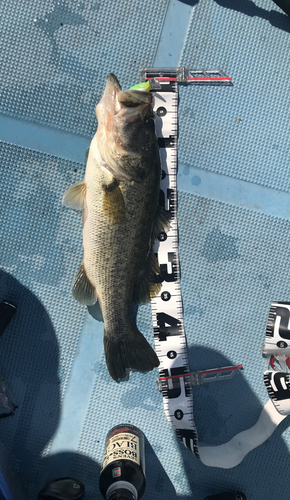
234 233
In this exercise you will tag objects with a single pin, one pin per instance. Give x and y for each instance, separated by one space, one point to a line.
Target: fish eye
149 122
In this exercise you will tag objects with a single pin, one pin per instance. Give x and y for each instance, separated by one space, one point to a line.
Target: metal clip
155 85
204 376
271 351
181 74
278 363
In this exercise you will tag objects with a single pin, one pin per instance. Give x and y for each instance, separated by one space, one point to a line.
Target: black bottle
123 467
237 495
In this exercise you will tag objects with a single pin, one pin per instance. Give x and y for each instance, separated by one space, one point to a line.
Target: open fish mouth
127 104
109 100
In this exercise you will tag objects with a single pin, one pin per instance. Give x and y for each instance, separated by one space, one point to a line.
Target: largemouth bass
121 219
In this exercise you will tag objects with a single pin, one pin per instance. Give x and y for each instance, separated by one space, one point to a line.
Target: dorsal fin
74 197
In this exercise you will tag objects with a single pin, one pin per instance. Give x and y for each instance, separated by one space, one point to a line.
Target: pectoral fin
74 197
113 203
82 290
149 283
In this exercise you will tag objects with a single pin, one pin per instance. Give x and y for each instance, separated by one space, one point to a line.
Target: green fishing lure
144 86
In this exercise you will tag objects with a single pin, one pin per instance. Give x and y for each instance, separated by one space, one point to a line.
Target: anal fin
74 197
96 312
83 291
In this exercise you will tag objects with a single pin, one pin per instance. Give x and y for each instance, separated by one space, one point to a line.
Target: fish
121 214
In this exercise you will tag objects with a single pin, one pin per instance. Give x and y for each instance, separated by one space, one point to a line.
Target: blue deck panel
234 233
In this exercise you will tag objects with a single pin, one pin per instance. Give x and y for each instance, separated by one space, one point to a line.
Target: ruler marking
167 315
167 308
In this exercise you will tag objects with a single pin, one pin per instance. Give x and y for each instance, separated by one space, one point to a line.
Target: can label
122 446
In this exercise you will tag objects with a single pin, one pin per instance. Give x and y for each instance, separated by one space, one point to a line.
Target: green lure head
144 86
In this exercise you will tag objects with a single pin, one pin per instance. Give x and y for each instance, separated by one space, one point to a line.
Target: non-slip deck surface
234 257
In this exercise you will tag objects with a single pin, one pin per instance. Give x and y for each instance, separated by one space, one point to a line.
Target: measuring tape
167 314
277 352
175 380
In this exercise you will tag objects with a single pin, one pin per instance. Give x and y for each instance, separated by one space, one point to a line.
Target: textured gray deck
234 248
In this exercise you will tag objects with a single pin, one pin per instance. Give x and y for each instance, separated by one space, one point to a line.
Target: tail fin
132 354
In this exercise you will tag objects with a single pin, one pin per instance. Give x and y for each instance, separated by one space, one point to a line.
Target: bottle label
122 446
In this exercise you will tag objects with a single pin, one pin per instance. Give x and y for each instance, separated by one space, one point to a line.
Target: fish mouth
127 104
111 92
